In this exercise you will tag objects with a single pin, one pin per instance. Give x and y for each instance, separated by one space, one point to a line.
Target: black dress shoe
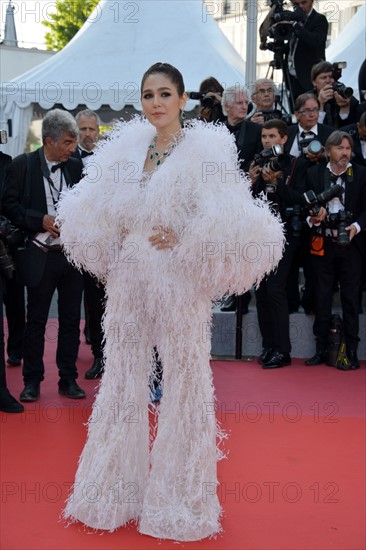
265 355
319 358
96 370
353 362
277 360
8 403
30 392
69 388
229 304
14 361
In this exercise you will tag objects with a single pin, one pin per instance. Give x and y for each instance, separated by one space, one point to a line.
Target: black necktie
57 166
85 153
307 134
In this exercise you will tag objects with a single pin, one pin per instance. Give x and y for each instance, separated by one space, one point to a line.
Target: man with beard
337 254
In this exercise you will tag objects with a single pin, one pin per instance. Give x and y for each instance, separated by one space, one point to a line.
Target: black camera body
206 100
280 30
273 158
345 91
339 221
313 202
9 236
276 114
294 214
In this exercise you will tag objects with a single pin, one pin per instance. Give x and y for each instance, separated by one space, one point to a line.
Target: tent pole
251 45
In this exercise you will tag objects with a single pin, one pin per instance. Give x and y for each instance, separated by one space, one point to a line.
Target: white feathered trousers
170 492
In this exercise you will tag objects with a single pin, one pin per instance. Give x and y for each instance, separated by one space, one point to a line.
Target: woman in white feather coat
167 221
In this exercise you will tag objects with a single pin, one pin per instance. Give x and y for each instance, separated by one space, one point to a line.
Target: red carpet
294 477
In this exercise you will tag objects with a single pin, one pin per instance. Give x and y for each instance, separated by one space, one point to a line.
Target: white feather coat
227 242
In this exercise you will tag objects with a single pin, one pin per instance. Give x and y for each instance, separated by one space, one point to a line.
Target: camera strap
54 192
330 178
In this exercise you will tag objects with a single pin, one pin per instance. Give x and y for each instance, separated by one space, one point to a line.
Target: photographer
275 176
33 184
7 402
265 103
302 34
307 127
337 243
338 106
235 101
210 94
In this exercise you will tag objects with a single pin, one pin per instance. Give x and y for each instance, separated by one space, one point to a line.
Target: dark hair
170 72
362 120
302 99
277 123
320 68
210 84
336 138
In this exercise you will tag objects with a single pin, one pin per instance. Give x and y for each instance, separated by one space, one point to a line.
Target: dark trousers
2 356
94 298
15 313
272 302
344 263
60 275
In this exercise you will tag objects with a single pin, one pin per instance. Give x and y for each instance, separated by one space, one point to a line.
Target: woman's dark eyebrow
159 89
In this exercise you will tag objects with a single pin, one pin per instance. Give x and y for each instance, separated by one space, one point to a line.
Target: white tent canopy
104 62
350 46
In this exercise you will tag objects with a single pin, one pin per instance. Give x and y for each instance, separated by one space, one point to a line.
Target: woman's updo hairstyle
170 72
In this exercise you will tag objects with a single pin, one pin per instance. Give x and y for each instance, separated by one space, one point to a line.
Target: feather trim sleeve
91 226
232 241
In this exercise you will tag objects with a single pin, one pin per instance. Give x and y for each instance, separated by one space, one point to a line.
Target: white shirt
58 181
295 149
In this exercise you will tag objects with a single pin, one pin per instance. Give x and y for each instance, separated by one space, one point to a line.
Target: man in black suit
358 133
247 134
283 189
13 297
32 186
299 135
306 46
307 114
94 295
235 101
332 260
335 110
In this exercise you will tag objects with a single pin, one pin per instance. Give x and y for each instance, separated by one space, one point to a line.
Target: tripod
279 62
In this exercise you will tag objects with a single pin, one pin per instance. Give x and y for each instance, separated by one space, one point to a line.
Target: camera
273 158
345 91
313 202
310 145
340 221
294 214
280 30
276 114
206 100
9 236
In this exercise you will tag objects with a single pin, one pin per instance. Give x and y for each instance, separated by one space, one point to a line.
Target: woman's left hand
164 238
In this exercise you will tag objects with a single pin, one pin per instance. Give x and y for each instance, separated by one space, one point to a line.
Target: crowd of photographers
311 165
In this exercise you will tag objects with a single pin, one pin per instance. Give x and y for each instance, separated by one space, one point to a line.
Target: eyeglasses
308 111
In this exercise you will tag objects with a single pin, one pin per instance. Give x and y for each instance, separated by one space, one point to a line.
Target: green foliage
69 17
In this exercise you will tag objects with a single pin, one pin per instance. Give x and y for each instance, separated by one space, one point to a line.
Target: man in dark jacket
306 46
32 186
338 244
